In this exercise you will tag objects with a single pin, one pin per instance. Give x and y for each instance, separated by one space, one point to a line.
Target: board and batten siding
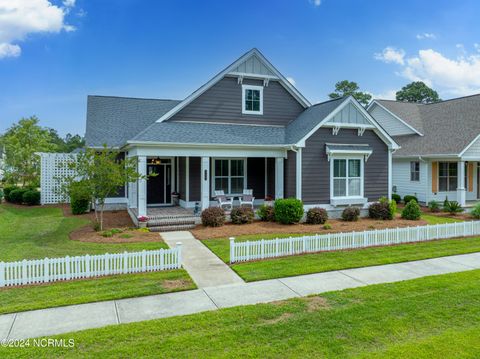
401 180
316 167
393 126
473 151
222 103
289 170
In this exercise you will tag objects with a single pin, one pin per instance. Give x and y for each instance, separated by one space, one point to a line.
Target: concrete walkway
205 268
93 315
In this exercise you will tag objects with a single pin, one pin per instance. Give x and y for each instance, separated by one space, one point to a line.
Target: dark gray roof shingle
211 133
114 120
448 126
308 119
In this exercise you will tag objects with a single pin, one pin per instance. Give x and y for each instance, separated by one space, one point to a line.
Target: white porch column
298 176
142 186
278 177
461 190
205 182
390 175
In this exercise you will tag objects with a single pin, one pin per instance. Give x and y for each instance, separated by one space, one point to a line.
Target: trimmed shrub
317 215
327 226
408 198
351 214
289 210
242 215
266 213
213 217
16 196
392 206
411 211
476 211
445 203
379 210
453 207
79 198
433 206
31 197
7 190
396 197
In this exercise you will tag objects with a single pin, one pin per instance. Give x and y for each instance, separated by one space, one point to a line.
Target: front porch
178 188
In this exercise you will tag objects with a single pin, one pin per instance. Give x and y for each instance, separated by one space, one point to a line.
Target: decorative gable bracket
240 79
265 82
361 131
335 130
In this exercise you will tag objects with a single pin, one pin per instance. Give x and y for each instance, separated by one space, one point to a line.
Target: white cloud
291 80
426 35
387 95
20 18
391 54
316 3
455 76
9 50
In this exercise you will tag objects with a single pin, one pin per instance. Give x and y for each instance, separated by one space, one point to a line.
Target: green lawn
57 294
38 232
424 318
328 261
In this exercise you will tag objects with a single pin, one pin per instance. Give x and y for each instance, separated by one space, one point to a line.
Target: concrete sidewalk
205 268
93 315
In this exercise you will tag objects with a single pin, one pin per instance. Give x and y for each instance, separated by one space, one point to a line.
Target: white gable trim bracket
335 130
375 102
387 139
230 71
361 131
240 79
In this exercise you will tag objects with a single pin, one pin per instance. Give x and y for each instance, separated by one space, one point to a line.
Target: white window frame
252 87
244 159
362 176
413 171
448 177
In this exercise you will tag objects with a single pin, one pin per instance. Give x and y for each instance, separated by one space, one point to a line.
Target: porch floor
167 212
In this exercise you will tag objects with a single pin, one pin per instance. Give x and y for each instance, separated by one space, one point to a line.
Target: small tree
22 140
102 173
417 92
346 88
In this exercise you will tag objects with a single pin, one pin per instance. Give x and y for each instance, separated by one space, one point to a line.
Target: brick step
173 216
171 221
169 228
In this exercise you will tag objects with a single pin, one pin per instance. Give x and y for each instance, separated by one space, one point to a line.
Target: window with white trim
229 175
347 177
447 176
252 100
415 171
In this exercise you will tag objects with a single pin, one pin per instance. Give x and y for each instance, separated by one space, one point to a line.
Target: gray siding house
246 128
439 156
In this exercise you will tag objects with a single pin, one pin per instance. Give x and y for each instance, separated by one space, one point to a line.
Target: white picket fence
279 247
68 268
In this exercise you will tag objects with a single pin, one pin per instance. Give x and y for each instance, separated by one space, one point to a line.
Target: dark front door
159 187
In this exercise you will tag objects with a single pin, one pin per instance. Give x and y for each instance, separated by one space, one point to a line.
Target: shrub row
28 196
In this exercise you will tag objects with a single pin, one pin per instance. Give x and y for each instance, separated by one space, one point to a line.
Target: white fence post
2 274
179 255
232 249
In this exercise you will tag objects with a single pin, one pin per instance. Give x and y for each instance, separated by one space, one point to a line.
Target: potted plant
142 221
175 198
268 201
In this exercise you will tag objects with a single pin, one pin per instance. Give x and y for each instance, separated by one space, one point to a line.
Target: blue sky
167 49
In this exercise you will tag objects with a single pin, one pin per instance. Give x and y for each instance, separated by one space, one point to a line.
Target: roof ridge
135 98
331 100
453 99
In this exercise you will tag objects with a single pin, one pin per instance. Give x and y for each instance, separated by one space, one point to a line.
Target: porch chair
224 200
247 198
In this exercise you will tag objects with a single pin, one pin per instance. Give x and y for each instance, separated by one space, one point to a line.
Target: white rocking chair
247 198
224 200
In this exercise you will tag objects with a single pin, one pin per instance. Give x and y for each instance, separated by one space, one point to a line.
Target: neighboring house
440 147
246 128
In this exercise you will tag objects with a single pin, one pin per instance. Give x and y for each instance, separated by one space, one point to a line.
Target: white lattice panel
54 166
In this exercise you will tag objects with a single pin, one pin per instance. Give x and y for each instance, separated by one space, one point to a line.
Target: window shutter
470 176
434 177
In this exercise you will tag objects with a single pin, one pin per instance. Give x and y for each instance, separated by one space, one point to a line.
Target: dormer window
252 100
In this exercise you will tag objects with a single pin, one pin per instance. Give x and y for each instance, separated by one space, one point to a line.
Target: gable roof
448 127
114 120
256 65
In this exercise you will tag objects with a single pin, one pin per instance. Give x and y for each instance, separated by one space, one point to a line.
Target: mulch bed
259 227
